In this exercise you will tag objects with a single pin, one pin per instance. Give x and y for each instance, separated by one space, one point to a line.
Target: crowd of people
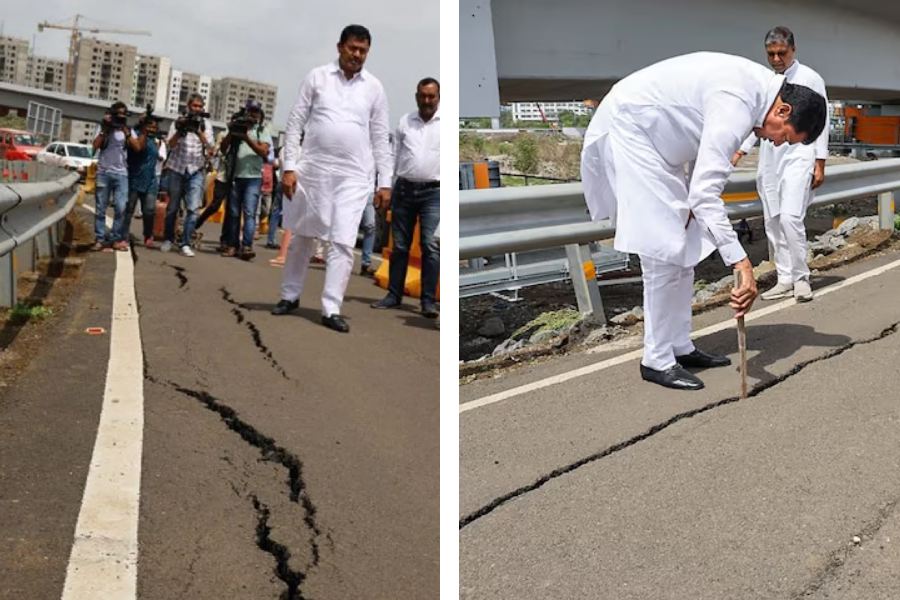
320 197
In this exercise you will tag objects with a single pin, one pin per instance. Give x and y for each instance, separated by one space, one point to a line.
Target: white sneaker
186 251
780 290
802 291
165 246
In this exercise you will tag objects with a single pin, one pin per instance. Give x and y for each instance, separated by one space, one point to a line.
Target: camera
240 123
147 119
191 122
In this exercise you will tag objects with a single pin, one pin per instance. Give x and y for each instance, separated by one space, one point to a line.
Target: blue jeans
274 215
243 200
117 185
190 188
148 208
368 227
406 206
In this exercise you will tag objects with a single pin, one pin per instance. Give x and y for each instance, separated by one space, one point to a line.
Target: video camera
191 122
241 122
148 118
116 121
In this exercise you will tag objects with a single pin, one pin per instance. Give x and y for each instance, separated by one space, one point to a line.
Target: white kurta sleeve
296 122
749 143
725 120
379 127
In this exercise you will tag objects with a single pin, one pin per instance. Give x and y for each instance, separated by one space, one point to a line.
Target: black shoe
430 310
285 306
273 246
366 271
336 322
674 377
703 360
386 302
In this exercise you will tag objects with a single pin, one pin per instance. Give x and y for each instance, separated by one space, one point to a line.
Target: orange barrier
413 284
482 176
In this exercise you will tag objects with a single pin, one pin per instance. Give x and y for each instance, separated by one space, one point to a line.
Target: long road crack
282 554
839 557
238 311
270 451
179 273
757 389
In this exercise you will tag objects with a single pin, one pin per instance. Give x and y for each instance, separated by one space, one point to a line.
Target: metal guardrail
502 220
31 215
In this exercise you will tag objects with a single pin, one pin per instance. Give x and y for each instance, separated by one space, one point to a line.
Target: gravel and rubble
546 322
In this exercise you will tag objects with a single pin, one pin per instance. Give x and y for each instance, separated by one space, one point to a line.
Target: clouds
274 41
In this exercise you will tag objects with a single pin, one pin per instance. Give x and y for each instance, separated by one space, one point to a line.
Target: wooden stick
742 341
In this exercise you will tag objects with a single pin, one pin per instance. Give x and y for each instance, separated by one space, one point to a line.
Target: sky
273 41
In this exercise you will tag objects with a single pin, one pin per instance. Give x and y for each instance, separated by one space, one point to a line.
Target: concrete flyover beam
575 49
74 107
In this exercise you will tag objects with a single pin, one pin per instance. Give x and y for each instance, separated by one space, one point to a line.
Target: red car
16 144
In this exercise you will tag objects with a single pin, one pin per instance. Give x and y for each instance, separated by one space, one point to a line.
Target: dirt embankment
41 297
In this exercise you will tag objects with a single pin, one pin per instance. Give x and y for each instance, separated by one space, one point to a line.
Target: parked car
16 144
69 155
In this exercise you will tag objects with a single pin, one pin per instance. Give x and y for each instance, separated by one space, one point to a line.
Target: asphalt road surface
280 459
603 486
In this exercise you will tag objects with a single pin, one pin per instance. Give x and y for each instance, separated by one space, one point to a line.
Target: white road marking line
104 558
623 358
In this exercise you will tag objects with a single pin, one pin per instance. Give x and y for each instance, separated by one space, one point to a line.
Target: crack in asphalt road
757 389
270 451
282 554
839 557
179 273
255 333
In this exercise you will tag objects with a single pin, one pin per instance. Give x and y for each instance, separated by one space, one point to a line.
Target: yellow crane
71 66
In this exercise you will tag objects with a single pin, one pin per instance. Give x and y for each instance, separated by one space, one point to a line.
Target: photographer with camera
189 148
253 140
143 182
112 176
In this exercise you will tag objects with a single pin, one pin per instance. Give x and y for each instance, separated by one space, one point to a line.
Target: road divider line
636 354
104 558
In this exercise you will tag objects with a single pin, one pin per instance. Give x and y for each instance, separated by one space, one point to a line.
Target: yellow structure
413 285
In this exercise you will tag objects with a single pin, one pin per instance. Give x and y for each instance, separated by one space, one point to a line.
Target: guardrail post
7 281
886 210
586 292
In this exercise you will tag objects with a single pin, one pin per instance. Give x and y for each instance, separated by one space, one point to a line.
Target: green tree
566 118
525 154
12 121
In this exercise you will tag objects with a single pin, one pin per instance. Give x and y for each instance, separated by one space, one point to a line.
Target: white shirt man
786 177
694 110
343 115
417 196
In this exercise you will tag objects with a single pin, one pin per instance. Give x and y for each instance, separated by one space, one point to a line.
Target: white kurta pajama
783 181
635 165
345 142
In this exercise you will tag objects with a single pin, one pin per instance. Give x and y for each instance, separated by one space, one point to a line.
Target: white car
69 155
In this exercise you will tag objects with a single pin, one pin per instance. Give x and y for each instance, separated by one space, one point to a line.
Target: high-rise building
13 60
530 111
46 73
104 71
151 82
230 93
182 85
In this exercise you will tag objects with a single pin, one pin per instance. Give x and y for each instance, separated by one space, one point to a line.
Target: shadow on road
773 343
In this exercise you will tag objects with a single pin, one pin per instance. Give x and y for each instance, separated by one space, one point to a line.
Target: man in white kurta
786 178
655 160
342 114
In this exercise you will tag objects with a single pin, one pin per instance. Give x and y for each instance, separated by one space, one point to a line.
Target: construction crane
74 42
